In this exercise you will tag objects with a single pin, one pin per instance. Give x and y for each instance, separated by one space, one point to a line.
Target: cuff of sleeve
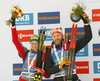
87 24
13 27
59 67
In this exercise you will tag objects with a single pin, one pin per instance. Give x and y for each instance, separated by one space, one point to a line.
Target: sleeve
83 41
49 68
24 48
16 43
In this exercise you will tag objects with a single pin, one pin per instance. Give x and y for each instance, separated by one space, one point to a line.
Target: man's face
57 38
34 45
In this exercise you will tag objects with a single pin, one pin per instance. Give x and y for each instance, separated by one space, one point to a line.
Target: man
28 56
53 64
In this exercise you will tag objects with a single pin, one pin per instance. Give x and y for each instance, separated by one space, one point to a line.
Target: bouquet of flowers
16 12
78 10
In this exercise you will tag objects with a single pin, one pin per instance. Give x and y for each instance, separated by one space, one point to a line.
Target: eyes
34 43
56 35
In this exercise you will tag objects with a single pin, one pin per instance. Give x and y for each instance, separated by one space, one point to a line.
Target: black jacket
80 43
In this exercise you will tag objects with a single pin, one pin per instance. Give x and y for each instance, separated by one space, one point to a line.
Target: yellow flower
13 9
17 11
75 6
72 11
81 6
19 14
18 8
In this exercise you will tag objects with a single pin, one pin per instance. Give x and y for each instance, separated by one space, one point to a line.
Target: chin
57 43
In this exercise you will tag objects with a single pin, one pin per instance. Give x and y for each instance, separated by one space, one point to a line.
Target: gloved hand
13 22
39 70
75 77
84 18
65 62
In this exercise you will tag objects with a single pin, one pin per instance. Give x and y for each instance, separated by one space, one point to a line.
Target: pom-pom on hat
57 30
34 38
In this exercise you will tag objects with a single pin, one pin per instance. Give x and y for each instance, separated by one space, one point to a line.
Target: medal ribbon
57 54
29 66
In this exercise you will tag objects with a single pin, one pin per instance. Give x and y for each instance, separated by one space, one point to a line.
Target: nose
57 37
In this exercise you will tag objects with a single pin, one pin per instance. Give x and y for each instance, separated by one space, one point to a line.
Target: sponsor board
95 15
80 32
49 18
24 35
96 49
48 34
17 69
96 79
96 65
83 52
82 67
27 19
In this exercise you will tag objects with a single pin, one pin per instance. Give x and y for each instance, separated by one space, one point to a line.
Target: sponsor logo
48 34
96 67
96 79
96 49
17 69
49 18
24 35
82 52
80 33
27 19
96 15
82 67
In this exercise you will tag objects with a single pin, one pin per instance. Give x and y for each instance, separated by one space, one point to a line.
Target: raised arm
16 41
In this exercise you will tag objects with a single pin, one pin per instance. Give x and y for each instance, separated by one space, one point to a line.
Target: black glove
75 77
84 19
13 22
